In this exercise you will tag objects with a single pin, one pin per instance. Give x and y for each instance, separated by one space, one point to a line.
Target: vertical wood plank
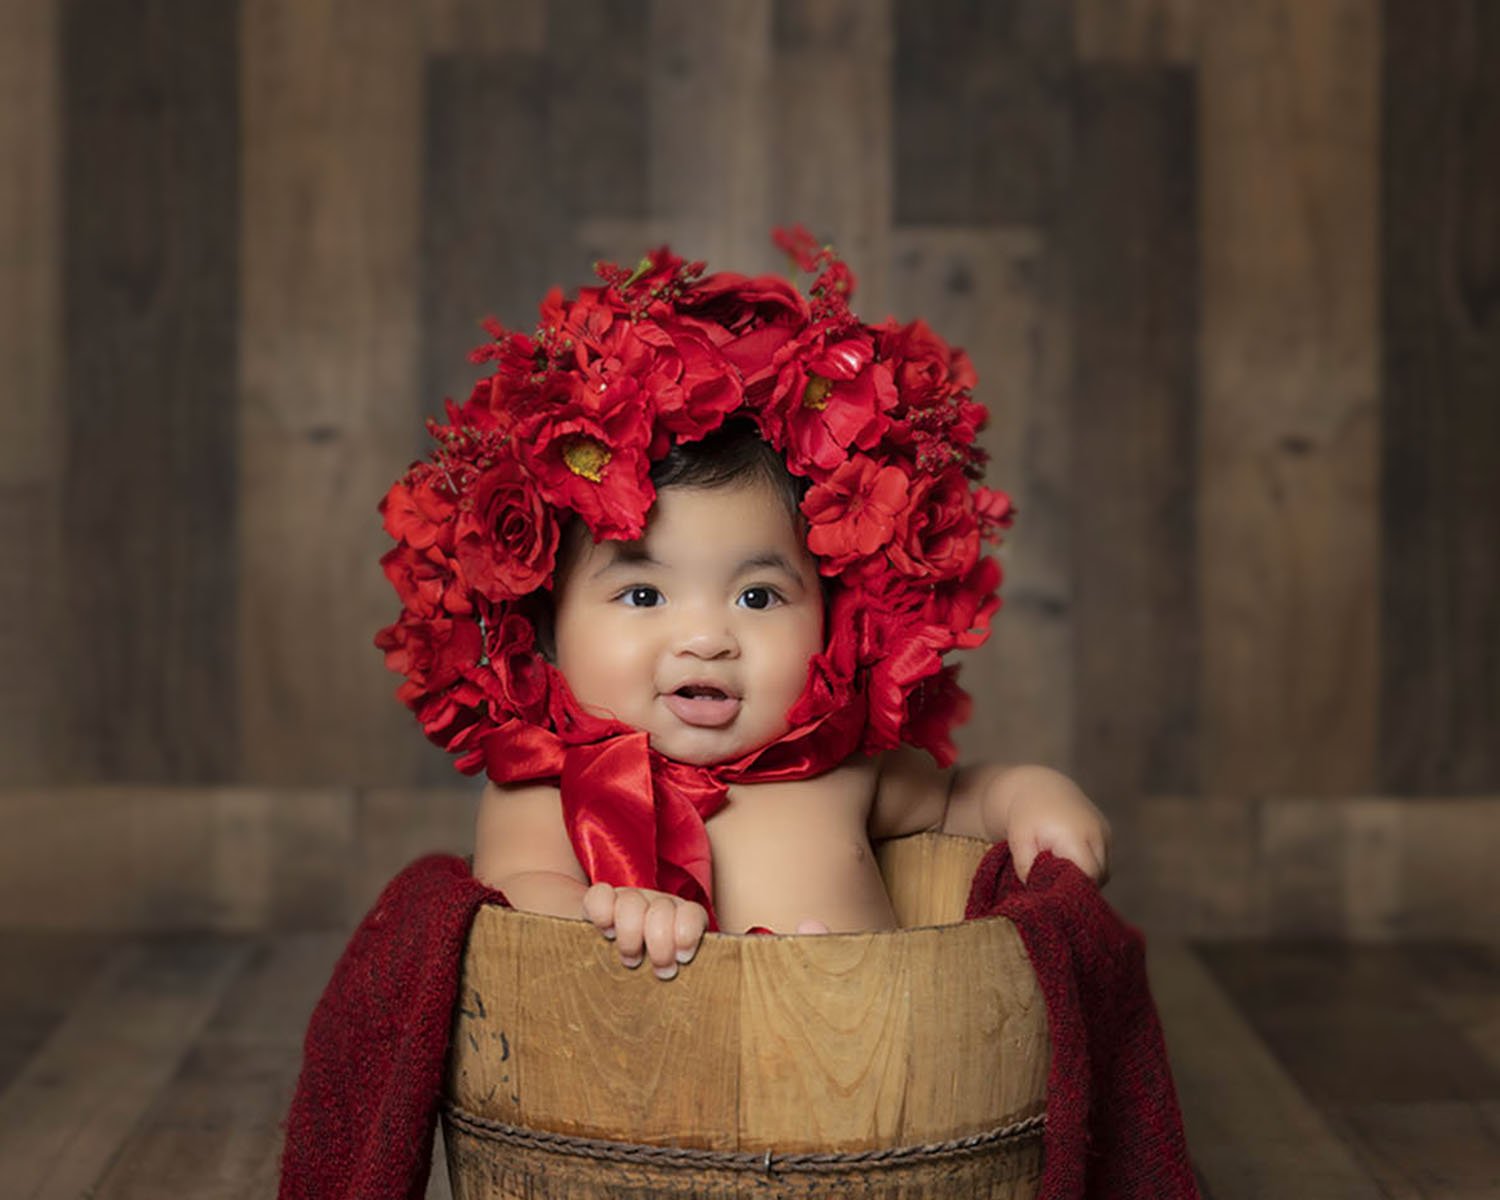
1133 258
519 149
981 117
831 168
666 1075
486 26
1137 31
709 100
996 293
597 154
150 169
329 372
1288 454
850 1045
68 1113
1440 507
487 218
32 637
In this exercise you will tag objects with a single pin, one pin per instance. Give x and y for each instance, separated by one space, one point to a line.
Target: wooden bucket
908 1064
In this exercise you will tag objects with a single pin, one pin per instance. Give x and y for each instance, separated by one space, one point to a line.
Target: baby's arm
1034 808
521 847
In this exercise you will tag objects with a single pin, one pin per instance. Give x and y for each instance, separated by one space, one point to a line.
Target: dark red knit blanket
363 1118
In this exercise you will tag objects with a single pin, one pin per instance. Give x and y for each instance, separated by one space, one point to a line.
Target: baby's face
701 632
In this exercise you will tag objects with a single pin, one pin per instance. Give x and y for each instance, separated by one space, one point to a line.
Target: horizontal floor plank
1252 1134
69 1110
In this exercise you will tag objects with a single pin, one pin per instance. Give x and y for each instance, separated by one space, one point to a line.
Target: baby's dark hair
735 454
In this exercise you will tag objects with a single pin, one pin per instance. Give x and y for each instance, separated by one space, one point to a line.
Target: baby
700 633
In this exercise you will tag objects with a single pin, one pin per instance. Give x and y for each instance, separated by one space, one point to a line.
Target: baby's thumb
1023 854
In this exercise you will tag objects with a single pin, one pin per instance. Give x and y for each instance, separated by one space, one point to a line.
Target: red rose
853 514
507 543
521 673
938 536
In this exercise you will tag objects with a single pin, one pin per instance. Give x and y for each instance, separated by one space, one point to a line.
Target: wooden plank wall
1227 270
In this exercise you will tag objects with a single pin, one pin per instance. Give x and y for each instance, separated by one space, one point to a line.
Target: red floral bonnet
879 419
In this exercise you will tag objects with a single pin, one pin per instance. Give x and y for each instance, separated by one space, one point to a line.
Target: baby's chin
709 748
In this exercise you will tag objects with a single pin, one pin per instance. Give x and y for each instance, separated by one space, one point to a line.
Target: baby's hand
668 926
1047 811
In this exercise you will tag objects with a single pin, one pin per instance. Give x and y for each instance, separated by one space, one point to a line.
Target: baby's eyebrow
767 558
626 554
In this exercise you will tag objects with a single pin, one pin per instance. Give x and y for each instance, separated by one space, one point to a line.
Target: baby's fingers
599 907
1075 849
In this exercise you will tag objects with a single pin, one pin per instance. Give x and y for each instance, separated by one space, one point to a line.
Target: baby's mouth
702 705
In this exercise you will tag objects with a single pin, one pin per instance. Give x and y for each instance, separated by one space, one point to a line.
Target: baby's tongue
702 706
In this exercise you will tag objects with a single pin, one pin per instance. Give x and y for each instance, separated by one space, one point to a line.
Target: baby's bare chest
785 851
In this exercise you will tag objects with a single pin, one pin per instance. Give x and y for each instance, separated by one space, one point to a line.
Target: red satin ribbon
635 817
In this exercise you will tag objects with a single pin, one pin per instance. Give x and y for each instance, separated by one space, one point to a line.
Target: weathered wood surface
1440 504
171 1061
1288 445
329 243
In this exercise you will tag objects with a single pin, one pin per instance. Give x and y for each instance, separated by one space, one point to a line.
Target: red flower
830 395
964 606
853 514
692 386
431 654
936 420
428 582
936 706
522 674
417 509
938 535
507 542
995 512
587 451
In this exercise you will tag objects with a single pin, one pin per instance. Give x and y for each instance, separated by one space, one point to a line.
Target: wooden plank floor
151 1067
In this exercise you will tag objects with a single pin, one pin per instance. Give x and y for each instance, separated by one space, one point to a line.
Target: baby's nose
707 637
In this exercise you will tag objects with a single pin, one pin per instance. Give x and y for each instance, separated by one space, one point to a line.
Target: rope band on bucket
690 1157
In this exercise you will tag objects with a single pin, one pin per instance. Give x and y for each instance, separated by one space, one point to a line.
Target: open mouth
702 692
703 705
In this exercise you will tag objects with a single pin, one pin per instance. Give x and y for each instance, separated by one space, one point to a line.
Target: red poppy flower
587 451
830 394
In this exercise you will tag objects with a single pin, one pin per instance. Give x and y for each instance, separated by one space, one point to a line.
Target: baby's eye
759 597
641 597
